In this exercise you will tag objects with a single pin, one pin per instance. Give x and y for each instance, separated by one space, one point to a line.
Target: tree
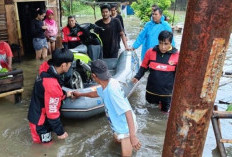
142 8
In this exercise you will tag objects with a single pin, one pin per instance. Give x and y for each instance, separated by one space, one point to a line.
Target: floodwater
93 137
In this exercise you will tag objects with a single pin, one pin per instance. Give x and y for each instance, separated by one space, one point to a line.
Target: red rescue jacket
46 99
162 70
71 40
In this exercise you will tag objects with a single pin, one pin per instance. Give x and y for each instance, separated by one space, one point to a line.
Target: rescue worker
47 96
161 62
148 37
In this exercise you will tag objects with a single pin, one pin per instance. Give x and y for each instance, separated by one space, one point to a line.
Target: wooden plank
10 80
12 83
225 141
2 9
12 25
52 2
14 72
2 2
11 92
3 27
30 0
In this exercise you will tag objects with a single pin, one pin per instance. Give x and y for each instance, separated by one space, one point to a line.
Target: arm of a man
123 37
134 140
141 37
92 94
122 34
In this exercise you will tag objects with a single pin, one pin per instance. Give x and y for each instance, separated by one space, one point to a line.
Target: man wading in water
118 109
112 32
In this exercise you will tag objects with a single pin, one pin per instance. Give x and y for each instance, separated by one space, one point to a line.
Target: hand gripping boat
122 69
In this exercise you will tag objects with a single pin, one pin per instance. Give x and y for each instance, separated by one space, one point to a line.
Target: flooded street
93 137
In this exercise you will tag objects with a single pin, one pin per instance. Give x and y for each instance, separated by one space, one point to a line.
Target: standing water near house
93 137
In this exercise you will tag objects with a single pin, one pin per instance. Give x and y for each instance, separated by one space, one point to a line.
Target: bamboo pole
226 141
218 137
222 114
11 93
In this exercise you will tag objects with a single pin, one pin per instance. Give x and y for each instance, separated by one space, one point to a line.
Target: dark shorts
39 43
40 134
164 100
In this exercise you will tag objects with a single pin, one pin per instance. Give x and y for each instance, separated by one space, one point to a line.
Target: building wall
3 26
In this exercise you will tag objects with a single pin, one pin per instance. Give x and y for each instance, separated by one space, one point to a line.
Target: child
161 62
118 110
51 31
39 40
44 114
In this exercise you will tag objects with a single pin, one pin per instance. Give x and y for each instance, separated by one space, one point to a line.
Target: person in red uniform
71 34
5 55
47 96
161 62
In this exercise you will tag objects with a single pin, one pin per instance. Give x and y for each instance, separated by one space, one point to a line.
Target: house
15 21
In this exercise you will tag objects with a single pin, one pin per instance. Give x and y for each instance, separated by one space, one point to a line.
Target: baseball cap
100 68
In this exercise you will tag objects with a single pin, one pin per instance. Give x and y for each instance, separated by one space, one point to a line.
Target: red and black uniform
44 114
71 36
162 67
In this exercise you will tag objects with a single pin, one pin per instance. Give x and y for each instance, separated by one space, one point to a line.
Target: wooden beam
13 37
225 141
11 93
29 0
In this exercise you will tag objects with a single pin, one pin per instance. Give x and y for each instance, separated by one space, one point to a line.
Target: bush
142 8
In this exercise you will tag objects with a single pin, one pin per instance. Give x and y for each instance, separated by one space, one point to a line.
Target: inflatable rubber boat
122 69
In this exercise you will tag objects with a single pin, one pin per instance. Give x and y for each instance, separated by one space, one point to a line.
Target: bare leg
44 52
53 46
126 147
38 54
49 48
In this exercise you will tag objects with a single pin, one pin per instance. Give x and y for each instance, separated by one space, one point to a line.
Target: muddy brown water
93 137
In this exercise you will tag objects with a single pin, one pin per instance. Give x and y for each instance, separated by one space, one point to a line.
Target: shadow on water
93 137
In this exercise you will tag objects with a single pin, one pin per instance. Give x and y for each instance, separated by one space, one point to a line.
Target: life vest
170 66
67 38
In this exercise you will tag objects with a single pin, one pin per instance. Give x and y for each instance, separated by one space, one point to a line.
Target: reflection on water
93 137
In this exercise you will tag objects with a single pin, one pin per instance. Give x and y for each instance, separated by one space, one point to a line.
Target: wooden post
205 40
218 121
218 136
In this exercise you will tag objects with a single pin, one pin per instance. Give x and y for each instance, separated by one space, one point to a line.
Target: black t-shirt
36 29
120 19
110 37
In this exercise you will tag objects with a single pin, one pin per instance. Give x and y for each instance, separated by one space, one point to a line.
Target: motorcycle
80 72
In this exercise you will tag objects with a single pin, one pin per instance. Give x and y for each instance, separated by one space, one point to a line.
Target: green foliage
3 70
142 8
229 108
78 8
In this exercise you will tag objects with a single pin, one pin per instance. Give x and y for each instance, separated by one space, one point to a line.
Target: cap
99 67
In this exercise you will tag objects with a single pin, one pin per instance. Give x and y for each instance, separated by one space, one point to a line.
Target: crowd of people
159 56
